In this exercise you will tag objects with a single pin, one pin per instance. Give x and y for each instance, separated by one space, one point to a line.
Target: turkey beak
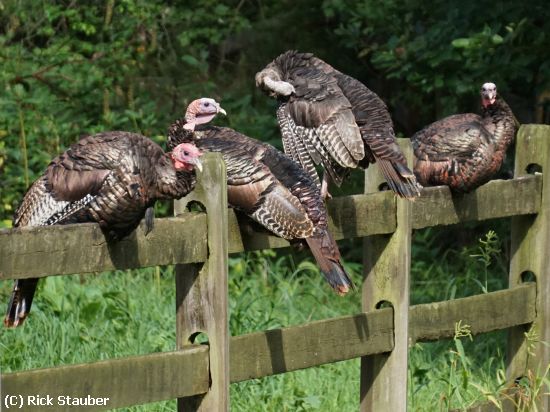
220 110
489 95
197 163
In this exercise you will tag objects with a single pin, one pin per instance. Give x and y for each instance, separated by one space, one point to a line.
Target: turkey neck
171 183
185 181
177 134
499 120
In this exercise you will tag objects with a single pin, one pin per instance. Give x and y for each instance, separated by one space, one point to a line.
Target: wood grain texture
126 381
529 250
495 199
45 251
201 290
183 239
387 263
483 313
82 248
265 353
275 351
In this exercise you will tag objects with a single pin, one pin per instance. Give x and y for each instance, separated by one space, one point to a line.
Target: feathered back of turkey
109 178
274 191
335 120
464 151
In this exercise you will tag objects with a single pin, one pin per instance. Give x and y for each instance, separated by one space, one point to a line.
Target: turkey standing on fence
267 186
464 151
327 117
110 178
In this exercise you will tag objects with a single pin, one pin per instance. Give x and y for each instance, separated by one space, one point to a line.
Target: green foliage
444 270
86 318
71 68
524 392
459 372
440 52
488 249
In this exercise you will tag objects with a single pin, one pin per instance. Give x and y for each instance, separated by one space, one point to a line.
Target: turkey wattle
270 188
110 178
327 117
464 151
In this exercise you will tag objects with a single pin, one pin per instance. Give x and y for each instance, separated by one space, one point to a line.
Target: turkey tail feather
20 302
400 179
326 253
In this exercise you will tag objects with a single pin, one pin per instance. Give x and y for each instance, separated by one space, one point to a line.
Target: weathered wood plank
483 313
244 234
362 215
149 378
496 199
265 353
201 289
275 351
349 216
529 250
38 252
82 248
387 264
126 381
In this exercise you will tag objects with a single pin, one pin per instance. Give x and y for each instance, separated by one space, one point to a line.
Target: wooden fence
199 375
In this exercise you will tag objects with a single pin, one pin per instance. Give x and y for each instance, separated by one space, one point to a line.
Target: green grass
86 318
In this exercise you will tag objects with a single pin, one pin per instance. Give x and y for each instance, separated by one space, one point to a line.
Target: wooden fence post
530 250
201 289
387 261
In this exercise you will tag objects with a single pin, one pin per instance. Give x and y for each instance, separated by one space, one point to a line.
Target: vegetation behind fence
200 374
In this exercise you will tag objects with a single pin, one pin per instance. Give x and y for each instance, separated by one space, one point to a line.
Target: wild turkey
327 117
269 187
109 178
464 151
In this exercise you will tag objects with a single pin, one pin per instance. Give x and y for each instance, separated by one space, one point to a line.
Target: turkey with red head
110 178
464 151
267 186
327 117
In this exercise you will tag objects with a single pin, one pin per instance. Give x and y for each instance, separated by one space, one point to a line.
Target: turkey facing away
267 186
464 151
327 117
109 178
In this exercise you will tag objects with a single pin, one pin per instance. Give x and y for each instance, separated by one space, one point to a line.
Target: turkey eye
207 104
186 153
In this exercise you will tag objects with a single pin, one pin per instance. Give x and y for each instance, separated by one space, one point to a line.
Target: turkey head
201 111
270 81
488 94
185 157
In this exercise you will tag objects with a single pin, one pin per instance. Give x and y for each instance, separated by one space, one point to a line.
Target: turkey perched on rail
267 186
464 151
110 178
327 117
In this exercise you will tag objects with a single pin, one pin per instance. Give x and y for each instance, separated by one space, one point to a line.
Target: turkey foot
324 187
149 220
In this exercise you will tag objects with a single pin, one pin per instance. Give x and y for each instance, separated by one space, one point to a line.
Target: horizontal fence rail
63 250
169 375
60 250
126 381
